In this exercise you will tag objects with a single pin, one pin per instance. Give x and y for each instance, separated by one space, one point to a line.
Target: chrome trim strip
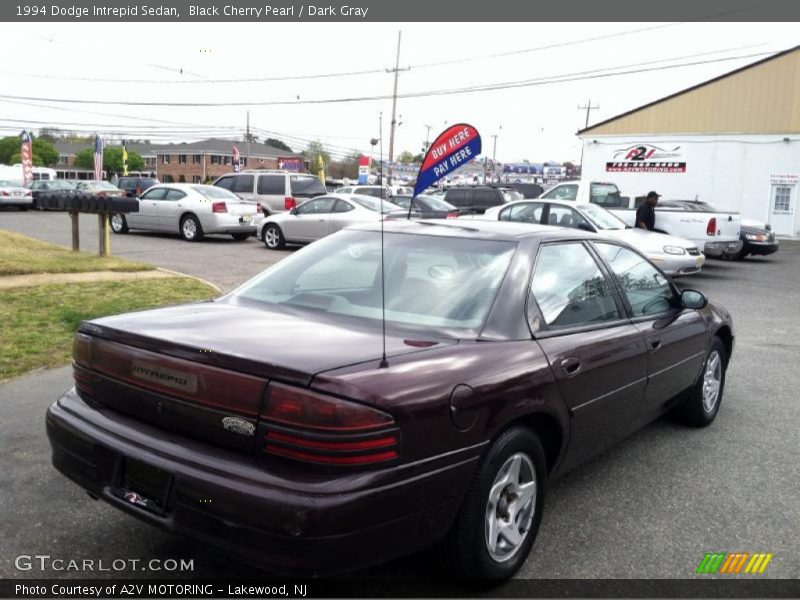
614 391
677 364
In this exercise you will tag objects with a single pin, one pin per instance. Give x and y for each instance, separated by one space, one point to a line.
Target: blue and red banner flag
453 148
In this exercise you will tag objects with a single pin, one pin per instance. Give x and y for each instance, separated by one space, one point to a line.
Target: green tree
44 154
347 167
315 149
405 158
276 143
112 160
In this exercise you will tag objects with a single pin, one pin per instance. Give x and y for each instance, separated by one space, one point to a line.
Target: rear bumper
717 249
16 201
302 524
226 223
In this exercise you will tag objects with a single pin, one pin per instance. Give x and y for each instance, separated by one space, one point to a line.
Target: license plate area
143 485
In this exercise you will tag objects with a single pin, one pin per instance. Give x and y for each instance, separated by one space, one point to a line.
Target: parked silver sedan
13 194
675 256
192 210
321 216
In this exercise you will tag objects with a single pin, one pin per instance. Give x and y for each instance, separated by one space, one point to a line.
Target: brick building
190 162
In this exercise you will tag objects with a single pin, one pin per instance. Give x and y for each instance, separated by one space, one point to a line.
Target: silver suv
276 191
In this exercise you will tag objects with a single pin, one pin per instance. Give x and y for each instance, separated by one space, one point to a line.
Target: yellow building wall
761 99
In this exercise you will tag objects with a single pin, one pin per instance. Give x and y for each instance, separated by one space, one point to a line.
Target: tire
35 204
465 553
240 237
191 230
699 408
119 224
273 237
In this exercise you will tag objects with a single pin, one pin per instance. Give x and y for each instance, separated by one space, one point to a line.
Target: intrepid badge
237 425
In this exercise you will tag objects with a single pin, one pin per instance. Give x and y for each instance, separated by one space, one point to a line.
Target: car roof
477 229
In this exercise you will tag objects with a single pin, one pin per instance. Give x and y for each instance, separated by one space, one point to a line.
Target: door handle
570 366
655 344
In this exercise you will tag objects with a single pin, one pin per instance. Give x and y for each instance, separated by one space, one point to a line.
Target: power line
206 80
463 90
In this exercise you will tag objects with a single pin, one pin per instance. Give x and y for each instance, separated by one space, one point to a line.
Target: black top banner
398 11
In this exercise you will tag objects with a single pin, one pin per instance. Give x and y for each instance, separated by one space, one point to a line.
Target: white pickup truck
715 233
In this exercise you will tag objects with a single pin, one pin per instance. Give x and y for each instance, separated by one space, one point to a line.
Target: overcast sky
536 123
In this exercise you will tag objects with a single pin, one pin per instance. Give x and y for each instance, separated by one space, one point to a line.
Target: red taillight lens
29 194
4 194
82 350
219 207
308 410
316 428
712 226
452 215
289 203
83 381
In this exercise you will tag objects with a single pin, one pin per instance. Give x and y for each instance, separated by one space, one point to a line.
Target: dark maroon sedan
269 423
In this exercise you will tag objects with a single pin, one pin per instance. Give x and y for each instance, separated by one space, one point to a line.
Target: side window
564 216
243 184
155 194
529 212
604 194
456 197
174 195
405 202
272 184
344 190
317 206
562 192
488 198
342 207
570 289
647 290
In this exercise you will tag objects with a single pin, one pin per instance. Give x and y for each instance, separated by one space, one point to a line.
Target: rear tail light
4 194
289 203
712 226
452 215
82 357
316 428
219 207
29 194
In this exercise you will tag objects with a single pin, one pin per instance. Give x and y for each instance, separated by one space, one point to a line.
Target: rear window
225 182
306 185
605 194
214 193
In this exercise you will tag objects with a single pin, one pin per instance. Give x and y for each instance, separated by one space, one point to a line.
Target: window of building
165 159
181 159
168 179
215 159
243 161
783 198
226 160
196 179
196 159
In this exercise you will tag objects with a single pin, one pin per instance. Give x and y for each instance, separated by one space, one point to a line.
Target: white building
733 142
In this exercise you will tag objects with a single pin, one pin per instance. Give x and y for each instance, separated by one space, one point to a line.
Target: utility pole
427 137
248 138
494 154
588 108
396 72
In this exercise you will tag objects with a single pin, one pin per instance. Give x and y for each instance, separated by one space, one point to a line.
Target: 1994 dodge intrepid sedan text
512 353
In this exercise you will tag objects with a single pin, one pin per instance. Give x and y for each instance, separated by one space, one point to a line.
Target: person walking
646 213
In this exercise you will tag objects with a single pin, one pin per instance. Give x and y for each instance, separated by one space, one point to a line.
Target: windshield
104 185
215 193
601 218
58 184
373 203
6 183
430 281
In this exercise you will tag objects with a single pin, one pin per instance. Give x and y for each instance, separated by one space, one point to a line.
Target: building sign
290 164
363 169
784 179
647 158
453 148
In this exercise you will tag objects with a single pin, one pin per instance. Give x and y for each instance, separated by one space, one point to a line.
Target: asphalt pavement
651 507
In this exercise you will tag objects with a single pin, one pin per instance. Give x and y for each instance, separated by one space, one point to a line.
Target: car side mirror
293 211
693 299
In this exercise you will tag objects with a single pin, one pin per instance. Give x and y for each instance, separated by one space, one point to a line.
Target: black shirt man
646 213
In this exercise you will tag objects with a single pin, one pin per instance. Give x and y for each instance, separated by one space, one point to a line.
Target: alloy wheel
189 229
712 380
510 507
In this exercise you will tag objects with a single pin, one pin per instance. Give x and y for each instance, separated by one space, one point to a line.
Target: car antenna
384 363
